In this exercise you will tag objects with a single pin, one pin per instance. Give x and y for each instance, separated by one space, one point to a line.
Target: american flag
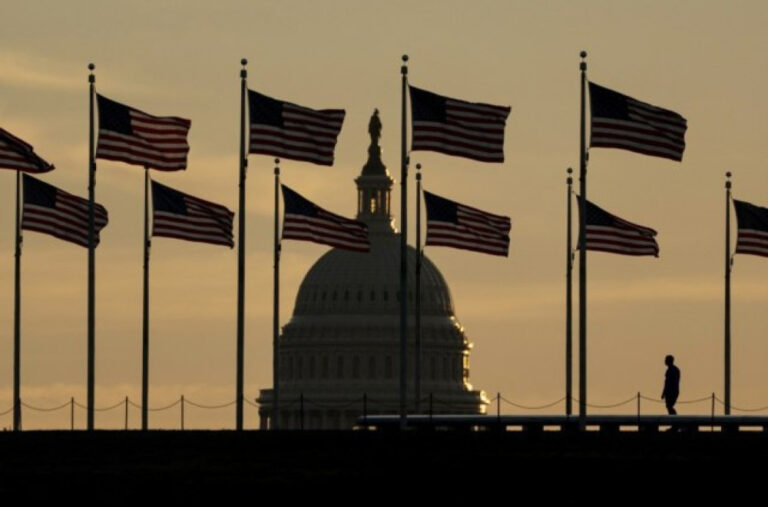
291 131
458 128
134 137
179 215
622 122
452 224
304 220
50 210
608 233
18 155
753 228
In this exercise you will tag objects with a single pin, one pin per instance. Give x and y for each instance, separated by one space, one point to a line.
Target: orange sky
702 59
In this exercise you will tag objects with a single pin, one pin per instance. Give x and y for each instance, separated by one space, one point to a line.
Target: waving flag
456 225
609 233
134 137
753 228
622 122
18 155
179 215
456 127
304 220
291 131
50 210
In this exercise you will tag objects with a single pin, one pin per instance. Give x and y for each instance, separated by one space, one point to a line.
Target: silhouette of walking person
671 385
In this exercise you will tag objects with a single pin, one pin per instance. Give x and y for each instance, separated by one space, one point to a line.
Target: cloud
21 70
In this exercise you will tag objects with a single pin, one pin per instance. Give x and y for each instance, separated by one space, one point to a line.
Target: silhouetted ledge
189 462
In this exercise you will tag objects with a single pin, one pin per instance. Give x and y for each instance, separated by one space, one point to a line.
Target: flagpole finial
570 178
243 71
728 180
418 174
277 167
583 64
91 77
404 68
243 62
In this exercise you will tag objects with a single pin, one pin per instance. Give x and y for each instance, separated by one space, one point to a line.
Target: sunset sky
702 59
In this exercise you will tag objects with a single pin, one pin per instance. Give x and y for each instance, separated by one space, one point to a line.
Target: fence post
182 412
72 413
301 411
126 413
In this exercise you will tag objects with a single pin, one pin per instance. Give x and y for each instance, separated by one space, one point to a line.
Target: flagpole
17 316
403 251
569 303
145 309
583 251
727 407
91 253
417 341
276 310
241 253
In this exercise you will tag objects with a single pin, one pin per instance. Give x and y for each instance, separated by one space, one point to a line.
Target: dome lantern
374 185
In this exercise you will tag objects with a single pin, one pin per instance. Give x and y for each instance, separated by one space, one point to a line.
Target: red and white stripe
157 142
67 221
752 241
474 131
650 130
476 230
306 135
328 229
624 238
205 222
19 155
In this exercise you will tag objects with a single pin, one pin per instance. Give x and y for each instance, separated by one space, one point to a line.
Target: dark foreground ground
187 463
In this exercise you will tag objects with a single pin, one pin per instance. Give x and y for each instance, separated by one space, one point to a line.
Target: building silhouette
340 352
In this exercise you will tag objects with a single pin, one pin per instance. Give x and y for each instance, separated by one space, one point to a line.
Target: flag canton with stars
304 220
50 210
20 156
182 216
619 121
456 127
753 228
291 131
608 233
456 225
134 137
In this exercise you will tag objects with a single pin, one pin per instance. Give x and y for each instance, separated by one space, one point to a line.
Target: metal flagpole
276 310
91 252
145 321
241 253
419 253
728 265
569 304
17 315
583 252
403 251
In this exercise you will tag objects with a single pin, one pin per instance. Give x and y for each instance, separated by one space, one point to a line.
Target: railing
366 406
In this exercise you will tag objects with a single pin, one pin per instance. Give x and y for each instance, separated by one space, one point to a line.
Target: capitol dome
339 355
